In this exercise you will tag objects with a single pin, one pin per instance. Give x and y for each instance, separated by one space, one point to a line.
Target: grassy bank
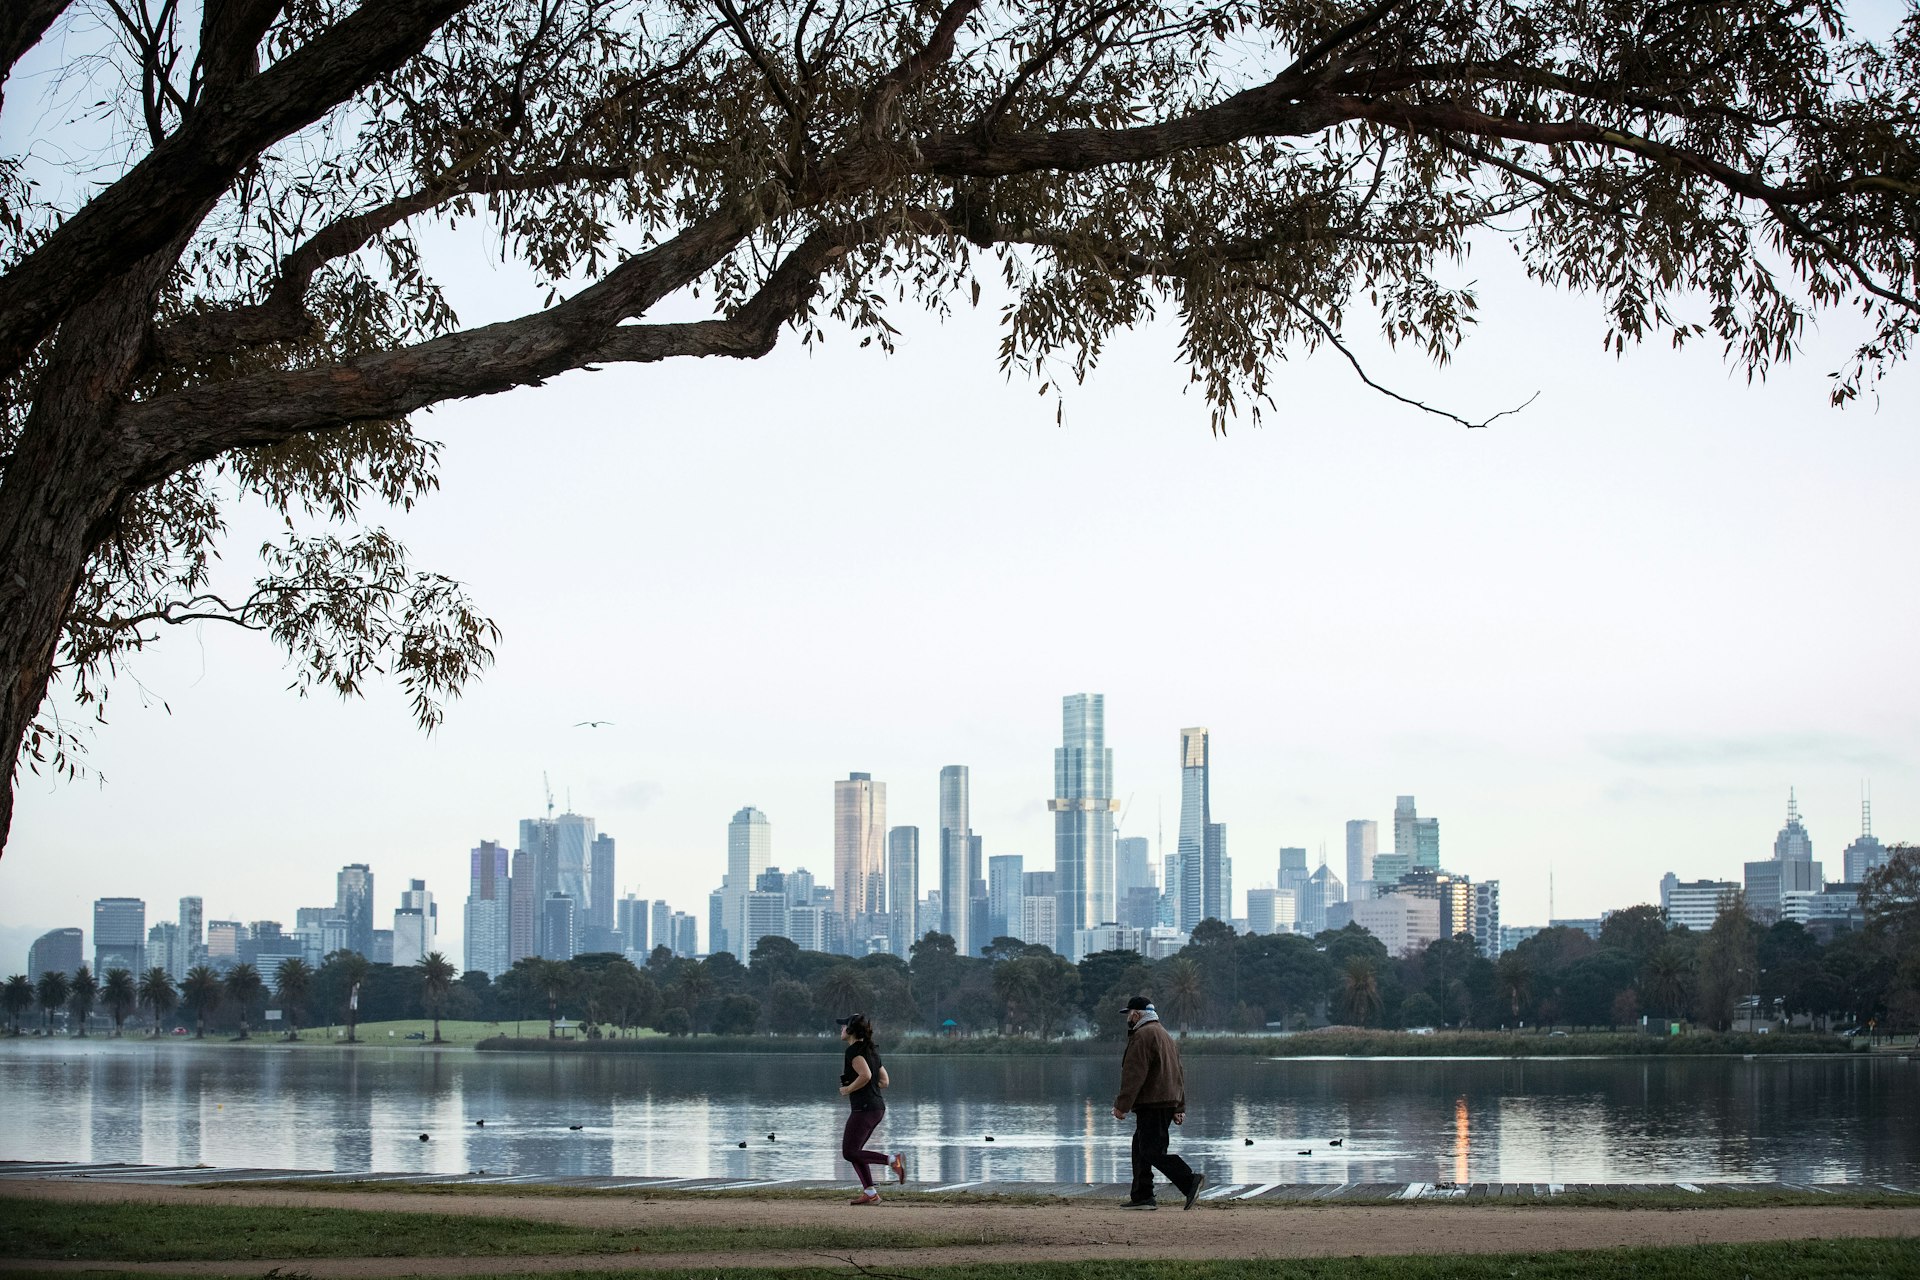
1329 1043
165 1233
1650 1197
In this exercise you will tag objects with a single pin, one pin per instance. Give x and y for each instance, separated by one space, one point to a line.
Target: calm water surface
681 1115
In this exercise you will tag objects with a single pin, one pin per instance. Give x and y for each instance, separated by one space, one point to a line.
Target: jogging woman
861 1080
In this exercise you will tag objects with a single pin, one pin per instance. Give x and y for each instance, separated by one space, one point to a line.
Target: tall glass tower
956 853
749 852
1082 806
859 847
903 887
1195 817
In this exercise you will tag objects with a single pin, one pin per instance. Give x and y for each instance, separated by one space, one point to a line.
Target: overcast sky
1601 638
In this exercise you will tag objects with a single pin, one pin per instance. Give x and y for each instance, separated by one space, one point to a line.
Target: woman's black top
867 1099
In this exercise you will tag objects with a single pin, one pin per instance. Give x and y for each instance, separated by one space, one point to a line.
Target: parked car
179 1031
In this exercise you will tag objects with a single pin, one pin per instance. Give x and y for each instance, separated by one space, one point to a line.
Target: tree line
1640 967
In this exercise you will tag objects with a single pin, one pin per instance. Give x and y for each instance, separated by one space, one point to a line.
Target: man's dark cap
1139 1002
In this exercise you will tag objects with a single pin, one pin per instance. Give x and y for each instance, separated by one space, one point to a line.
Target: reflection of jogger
861 1080
1153 1087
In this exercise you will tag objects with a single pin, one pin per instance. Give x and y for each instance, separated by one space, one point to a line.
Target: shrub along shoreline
1336 1043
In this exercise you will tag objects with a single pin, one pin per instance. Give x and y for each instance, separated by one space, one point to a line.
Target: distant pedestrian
1154 1089
861 1080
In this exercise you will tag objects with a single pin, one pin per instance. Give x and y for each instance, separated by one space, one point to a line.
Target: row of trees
1639 966
205 994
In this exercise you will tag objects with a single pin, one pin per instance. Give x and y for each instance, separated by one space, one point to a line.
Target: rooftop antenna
1866 808
1793 806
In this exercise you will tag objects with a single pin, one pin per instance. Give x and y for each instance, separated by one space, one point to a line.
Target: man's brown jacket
1150 1073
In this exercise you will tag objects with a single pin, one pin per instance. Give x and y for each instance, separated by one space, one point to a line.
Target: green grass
167 1233
1333 1042
1792 1260
1657 1198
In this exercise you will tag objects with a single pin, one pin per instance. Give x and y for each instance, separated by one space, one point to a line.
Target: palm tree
353 971
201 992
555 981
436 980
1360 991
84 991
1185 990
292 981
119 996
243 988
1515 979
17 996
52 994
157 995
845 989
1667 977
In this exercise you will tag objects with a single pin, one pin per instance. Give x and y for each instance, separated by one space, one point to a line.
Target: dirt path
1052 1232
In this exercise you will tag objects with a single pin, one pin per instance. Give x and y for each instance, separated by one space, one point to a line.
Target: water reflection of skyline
674 1115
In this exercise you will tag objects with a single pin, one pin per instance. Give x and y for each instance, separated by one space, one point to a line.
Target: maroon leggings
859 1130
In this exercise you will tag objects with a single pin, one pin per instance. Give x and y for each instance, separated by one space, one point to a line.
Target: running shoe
899 1166
1141 1204
866 1197
1193 1192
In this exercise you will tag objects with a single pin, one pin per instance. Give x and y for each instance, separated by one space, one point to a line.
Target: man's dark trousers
1150 1128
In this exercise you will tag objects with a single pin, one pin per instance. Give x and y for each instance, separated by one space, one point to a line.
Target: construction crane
548 786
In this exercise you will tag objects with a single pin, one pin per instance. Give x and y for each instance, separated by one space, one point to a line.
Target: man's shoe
1141 1204
1193 1192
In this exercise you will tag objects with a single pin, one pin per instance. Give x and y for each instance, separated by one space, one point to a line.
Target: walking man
1153 1088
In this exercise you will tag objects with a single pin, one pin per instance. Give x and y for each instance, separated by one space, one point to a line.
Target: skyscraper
903 886
1195 816
416 925
523 905
573 847
1790 870
488 908
56 951
1404 816
1867 853
1218 896
633 918
956 851
1793 844
1294 871
192 936
1083 807
1004 894
601 893
1363 842
353 902
557 916
1322 890
749 852
662 931
1132 866
859 847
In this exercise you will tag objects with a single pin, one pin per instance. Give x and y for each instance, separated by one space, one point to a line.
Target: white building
416 925
1694 904
1403 923
1037 917
1107 937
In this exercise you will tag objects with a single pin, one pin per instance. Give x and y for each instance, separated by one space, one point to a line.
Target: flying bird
591 724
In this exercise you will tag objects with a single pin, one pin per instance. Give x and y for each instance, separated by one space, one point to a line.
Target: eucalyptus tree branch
917 66
282 315
22 23
169 190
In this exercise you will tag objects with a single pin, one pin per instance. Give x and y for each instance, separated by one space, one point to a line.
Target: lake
1826 1119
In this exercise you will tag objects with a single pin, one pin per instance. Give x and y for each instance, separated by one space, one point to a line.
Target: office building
1140 908
1322 890
1260 916
1363 844
1453 892
1415 838
903 887
1038 921
1865 854
1132 866
488 919
859 847
1199 876
1790 870
661 930
1004 885
956 851
119 935
223 943
1694 904
1404 923
1083 806
1828 912
601 894
353 902
1793 844
976 893
800 888
192 936
1512 935
1486 918
1294 871
523 907
684 930
573 837
416 924
56 951
749 852
1589 925
382 947
633 919
765 913
1108 937
163 945
558 914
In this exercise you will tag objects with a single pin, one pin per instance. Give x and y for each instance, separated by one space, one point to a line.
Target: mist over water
682 1115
